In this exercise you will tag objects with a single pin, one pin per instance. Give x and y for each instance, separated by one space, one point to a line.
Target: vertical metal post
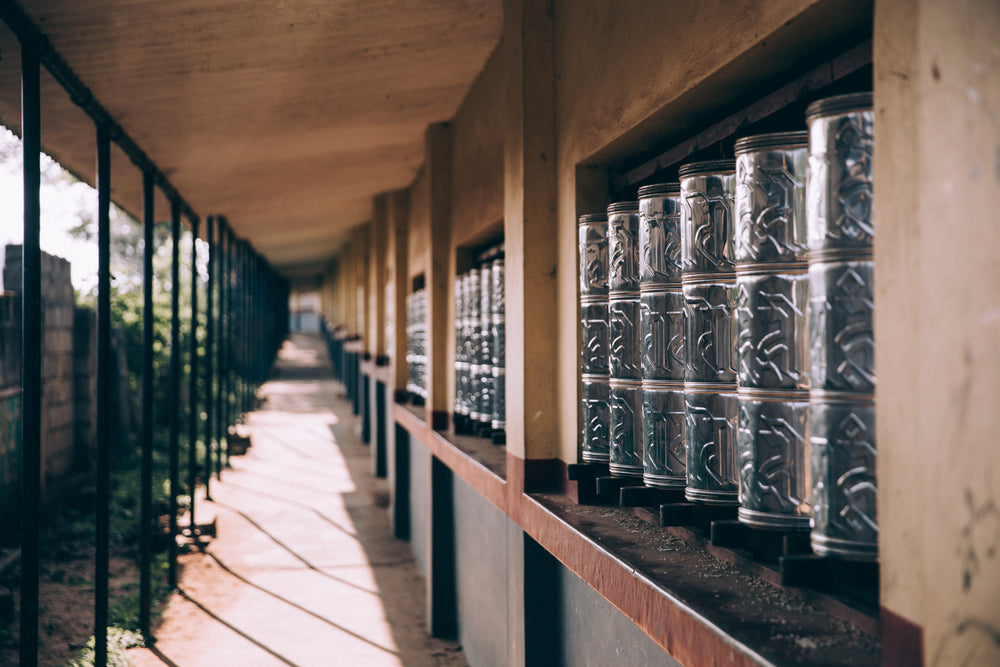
175 383
104 435
31 359
248 347
209 356
146 476
193 380
221 345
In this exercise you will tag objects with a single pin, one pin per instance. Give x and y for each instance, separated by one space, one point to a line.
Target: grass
124 610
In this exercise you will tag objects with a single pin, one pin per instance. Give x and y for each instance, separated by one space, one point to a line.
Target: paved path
304 570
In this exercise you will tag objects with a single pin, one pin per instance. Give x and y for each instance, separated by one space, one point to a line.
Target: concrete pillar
377 247
397 283
440 304
937 282
530 230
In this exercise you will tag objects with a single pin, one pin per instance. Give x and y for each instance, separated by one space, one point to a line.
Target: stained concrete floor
304 570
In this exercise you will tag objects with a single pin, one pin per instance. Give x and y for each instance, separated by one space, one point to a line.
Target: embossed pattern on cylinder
661 319
840 173
711 415
623 246
486 387
770 198
593 248
772 460
710 331
664 425
625 458
623 317
498 338
707 233
772 345
596 439
660 234
595 337
841 311
842 345
844 489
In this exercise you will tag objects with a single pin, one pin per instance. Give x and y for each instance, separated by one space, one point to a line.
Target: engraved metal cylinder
467 345
844 490
841 307
595 338
475 337
661 326
772 340
498 337
461 362
486 388
592 235
708 283
625 363
771 437
625 455
711 414
664 431
772 292
596 399
839 197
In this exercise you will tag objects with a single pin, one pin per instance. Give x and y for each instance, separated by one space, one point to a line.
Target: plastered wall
937 185
477 153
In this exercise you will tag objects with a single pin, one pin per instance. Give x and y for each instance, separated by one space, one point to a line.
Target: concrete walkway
304 570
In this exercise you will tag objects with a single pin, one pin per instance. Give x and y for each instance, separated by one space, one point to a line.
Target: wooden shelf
700 606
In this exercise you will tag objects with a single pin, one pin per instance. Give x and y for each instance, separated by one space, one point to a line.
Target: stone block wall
58 318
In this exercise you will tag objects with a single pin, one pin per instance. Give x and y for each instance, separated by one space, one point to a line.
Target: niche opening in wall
479 296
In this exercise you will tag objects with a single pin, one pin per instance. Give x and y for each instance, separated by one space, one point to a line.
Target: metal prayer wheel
841 307
661 319
416 343
711 414
461 360
498 421
475 347
709 287
592 234
771 436
772 293
844 489
486 386
625 365
595 337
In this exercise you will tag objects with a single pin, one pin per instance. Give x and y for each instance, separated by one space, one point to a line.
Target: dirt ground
66 594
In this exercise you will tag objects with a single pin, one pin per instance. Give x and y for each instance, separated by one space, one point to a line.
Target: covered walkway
304 570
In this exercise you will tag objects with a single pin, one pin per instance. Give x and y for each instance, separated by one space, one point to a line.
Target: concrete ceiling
287 116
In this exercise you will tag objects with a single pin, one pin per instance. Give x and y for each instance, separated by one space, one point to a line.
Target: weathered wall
937 281
10 340
58 312
477 184
420 506
480 577
85 384
419 239
596 633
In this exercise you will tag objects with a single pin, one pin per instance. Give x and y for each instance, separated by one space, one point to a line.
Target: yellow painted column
438 281
530 231
937 327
